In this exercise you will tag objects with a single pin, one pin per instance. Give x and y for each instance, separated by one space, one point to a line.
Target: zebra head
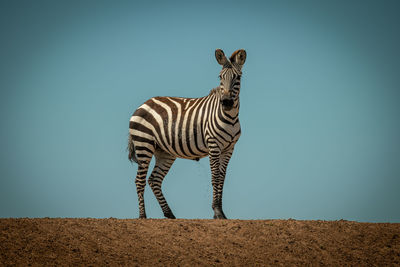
230 77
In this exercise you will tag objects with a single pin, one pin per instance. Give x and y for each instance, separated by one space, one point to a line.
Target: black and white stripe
190 128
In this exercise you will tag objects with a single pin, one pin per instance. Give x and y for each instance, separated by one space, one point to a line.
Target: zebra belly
183 146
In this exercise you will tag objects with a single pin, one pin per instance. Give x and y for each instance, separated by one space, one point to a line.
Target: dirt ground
134 242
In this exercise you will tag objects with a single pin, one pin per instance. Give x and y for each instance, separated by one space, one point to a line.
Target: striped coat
190 128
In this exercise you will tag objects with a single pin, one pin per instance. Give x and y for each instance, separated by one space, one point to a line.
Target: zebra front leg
223 164
140 185
217 182
163 164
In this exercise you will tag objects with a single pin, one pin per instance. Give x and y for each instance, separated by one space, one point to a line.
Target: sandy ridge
155 242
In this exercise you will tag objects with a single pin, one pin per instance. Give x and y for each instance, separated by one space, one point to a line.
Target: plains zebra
190 128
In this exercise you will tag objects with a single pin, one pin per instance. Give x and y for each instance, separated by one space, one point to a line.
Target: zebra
190 128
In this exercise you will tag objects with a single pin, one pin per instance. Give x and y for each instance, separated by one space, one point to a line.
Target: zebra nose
227 101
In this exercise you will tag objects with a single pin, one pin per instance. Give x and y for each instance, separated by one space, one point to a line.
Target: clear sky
319 106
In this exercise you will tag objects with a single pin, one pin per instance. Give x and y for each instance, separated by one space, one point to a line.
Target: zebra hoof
219 214
169 215
142 217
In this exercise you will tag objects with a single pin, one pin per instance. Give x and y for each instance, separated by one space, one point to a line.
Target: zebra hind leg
140 182
141 151
163 163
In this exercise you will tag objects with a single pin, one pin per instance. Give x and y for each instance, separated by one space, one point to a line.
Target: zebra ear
221 58
238 57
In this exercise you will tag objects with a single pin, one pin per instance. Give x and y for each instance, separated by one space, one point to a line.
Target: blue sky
319 106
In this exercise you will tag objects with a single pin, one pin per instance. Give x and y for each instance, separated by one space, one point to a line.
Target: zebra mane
214 91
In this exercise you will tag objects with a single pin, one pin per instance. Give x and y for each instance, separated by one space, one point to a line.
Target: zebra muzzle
227 103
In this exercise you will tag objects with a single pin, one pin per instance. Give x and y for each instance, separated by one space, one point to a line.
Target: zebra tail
131 150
